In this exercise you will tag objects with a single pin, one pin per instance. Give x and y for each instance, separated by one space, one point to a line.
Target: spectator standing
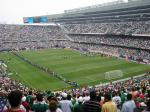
53 107
65 104
29 98
3 102
109 105
129 105
92 105
79 106
40 105
25 104
116 99
14 99
148 104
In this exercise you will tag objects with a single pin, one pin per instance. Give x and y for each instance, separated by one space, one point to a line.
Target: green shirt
78 108
29 99
40 107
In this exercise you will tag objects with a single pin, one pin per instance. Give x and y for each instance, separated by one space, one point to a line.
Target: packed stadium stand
123 26
120 29
30 36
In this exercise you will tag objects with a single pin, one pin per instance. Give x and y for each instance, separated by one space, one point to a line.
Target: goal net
113 74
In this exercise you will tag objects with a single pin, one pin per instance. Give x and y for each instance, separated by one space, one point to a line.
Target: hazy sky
12 11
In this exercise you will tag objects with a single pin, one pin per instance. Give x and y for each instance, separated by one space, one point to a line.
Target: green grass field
78 67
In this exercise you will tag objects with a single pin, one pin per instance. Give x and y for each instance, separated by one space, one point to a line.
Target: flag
3 101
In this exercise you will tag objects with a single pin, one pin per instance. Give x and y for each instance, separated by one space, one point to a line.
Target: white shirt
86 98
57 110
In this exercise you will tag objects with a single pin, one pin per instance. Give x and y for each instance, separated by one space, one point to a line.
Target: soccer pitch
85 70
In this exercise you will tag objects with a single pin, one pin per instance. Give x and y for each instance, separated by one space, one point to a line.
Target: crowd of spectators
128 28
117 51
34 45
30 32
7 84
117 39
29 36
135 42
132 95
36 37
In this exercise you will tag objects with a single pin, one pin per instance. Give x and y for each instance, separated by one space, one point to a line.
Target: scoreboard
41 19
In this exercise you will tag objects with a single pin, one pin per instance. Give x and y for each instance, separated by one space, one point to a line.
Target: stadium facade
133 10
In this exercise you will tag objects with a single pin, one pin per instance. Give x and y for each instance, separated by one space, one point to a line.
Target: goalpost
113 74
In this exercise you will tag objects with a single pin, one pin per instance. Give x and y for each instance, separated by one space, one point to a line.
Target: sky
13 11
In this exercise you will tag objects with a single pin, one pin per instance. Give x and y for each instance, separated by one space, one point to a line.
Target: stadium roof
120 4
117 5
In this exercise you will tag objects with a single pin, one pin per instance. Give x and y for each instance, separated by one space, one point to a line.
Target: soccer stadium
88 59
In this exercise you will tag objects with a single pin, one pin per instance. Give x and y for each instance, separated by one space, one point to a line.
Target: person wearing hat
66 105
79 106
25 104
